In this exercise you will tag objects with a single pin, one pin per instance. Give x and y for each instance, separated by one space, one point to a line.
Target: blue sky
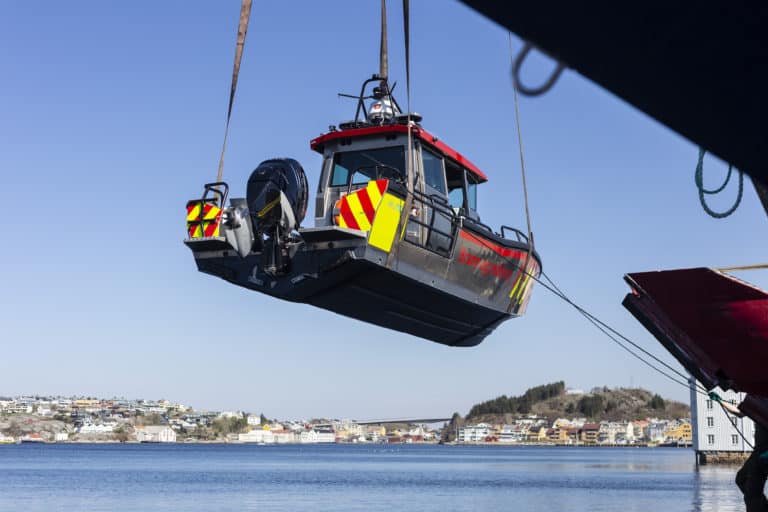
111 117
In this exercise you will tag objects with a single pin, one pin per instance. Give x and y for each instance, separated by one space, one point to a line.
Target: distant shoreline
219 442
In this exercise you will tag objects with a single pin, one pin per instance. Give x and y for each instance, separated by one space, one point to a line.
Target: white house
474 434
284 437
713 429
6 439
317 436
155 434
90 428
513 433
257 436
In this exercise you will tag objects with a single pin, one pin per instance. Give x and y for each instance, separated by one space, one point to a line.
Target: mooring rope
699 179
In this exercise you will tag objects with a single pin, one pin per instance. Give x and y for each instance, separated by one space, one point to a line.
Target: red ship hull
715 325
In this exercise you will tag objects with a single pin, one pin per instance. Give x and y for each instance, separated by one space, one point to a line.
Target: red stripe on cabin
382 184
346 214
365 202
501 251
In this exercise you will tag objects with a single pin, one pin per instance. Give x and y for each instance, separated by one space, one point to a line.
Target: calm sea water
358 477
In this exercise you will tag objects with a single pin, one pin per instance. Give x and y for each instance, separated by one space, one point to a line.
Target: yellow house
536 435
682 432
557 435
378 431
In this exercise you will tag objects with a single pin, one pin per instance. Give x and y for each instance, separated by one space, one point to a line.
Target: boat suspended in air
414 257
396 245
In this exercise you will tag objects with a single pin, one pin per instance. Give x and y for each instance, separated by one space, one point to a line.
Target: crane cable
522 160
407 36
620 339
405 215
606 329
610 332
242 30
616 336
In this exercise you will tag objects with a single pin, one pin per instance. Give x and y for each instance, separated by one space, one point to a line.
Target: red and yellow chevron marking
357 210
211 218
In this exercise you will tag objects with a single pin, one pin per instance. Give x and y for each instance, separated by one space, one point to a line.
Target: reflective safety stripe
371 209
193 211
385 224
211 217
521 289
358 209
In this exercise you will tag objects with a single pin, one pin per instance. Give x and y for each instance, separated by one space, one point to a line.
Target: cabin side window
361 166
434 177
462 189
455 177
472 192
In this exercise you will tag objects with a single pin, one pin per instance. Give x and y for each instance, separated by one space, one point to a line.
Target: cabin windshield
367 164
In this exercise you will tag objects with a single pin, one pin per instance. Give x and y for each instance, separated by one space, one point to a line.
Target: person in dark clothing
753 474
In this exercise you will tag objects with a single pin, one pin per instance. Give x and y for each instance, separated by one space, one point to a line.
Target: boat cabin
443 179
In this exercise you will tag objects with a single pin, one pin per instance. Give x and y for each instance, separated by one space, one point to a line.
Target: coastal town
25 419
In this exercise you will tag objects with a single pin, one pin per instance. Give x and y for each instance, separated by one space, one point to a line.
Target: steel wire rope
555 289
520 148
531 243
611 333
602 326
409 182
700 389
407 36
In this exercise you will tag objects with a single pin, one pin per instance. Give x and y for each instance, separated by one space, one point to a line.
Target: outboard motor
277 200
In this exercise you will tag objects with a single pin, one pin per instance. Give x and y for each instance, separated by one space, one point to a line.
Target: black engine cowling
277 197
263 194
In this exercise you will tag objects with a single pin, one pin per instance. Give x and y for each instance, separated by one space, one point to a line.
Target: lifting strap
242 29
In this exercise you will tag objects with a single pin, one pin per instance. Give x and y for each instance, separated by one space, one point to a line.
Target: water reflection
201 478
714 489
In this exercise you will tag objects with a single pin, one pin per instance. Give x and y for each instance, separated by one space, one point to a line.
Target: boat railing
439 223
521 237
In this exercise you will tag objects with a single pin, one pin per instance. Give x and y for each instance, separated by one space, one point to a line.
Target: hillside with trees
552 401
